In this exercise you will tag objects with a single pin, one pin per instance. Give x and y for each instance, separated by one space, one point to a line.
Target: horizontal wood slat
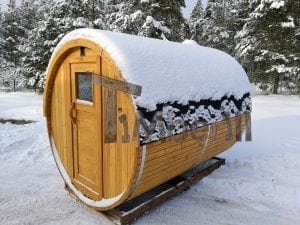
168 158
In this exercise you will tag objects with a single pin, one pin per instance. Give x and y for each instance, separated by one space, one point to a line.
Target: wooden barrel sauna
127 113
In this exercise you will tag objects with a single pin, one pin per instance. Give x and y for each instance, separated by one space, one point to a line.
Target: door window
84 86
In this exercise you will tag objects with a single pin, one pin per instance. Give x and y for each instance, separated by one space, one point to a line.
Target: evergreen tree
150 18
269 39
220 25
2 63
243 10
96 12
1 36
154 25
197 12
28 13
196 22
126 16
217 26
37 46
245 41
54 20
278 45
166 17
28 20
12 34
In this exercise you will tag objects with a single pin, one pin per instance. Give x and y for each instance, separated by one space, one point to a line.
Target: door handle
73 113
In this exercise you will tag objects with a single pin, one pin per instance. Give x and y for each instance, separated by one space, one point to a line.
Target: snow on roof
168 71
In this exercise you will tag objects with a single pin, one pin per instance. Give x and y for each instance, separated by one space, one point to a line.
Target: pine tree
27 12
54 20
220 26
12 34
12 77
269 39
2 62
197 12
126 16
95 12
278 46
150 18
243 9
196 22
154 25
245 41
1 36
168 14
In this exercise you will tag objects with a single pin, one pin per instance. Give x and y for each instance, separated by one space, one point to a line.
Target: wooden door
86 117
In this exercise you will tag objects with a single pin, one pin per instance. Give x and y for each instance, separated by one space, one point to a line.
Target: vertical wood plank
238 128
248 127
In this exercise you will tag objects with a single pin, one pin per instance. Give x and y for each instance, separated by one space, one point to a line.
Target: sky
186 11
3 3
189 7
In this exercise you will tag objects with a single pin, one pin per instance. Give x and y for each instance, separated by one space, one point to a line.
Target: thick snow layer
258 185
169 71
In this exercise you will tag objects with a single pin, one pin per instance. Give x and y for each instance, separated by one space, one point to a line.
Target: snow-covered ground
260 183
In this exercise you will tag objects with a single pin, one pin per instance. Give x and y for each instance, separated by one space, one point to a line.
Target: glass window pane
84 89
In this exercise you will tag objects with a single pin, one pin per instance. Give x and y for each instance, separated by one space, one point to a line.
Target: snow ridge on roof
168 71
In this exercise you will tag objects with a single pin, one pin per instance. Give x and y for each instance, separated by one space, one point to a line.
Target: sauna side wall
168 158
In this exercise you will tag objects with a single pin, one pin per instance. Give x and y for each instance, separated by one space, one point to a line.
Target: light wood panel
119 156
60 123
87 129
169 158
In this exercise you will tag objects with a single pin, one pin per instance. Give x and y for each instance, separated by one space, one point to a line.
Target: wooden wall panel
118 165
59 117
169 158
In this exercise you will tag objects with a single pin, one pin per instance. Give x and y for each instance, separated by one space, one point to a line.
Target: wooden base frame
141 205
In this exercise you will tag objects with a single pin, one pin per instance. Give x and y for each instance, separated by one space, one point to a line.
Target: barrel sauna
127 113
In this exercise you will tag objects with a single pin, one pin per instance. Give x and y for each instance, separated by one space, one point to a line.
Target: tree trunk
14 85
277 77
276 84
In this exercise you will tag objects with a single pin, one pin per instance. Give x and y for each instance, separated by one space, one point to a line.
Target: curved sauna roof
168 71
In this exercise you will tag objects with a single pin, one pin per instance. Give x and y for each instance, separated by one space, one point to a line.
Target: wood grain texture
171 157
86 133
